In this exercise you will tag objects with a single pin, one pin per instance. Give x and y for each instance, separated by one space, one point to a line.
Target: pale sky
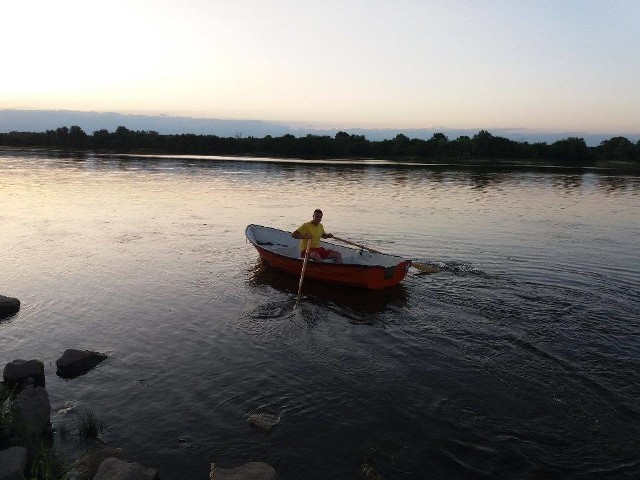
538 65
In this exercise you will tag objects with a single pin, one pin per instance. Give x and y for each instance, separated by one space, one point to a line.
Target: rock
248 471
116 469
87 465
33 406
18 372
8 306
9 436
370 473
264 421
74 363
6 434
13 461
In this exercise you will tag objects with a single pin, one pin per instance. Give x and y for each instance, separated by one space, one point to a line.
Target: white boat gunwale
280 242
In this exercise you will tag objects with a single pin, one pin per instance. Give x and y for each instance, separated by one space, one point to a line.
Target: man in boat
312 232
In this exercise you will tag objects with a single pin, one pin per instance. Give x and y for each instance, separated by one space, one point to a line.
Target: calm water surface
521 359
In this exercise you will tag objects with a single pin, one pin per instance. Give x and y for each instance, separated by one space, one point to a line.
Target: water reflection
485 181
616 184
345 298
403 175
568 183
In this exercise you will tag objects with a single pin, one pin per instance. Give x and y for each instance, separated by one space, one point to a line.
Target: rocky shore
26 434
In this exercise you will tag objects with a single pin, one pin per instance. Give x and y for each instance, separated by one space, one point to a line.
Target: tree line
483 145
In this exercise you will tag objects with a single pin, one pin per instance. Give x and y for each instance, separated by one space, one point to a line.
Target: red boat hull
363 276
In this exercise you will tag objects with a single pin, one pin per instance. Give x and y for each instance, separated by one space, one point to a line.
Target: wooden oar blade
424 267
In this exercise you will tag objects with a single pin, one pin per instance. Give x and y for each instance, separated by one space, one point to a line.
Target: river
520 359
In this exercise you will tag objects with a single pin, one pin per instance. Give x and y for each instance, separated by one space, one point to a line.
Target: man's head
317 216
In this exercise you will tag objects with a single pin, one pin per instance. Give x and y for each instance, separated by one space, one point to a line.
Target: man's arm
300 236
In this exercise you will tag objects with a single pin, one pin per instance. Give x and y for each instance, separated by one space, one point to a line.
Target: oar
304 267
420 266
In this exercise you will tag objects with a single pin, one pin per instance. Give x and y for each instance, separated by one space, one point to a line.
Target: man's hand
300 236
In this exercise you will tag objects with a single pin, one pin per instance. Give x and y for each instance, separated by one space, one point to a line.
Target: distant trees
571 150
483 145
349 146
619 148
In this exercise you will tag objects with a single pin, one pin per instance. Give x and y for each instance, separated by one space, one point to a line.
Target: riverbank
481 147
437 163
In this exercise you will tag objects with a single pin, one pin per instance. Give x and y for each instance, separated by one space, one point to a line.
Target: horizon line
300 126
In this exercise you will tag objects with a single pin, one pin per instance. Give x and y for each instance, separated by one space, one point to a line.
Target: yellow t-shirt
316 231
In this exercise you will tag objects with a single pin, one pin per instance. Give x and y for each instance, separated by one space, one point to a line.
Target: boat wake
454 267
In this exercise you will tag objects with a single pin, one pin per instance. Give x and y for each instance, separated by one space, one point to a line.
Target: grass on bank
89 425
45 462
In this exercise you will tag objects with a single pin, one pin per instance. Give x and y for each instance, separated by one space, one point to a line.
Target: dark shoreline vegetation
480 149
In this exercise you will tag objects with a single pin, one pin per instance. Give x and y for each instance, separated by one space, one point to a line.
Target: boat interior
282 243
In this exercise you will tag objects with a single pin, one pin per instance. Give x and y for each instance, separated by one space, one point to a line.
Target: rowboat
360 268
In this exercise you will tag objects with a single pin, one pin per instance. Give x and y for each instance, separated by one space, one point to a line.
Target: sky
556 65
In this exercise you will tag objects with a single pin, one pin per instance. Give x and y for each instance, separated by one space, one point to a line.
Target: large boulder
116 469
33 406
8 306
9 435
87 465
248 471
74 363
13 461
24 372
